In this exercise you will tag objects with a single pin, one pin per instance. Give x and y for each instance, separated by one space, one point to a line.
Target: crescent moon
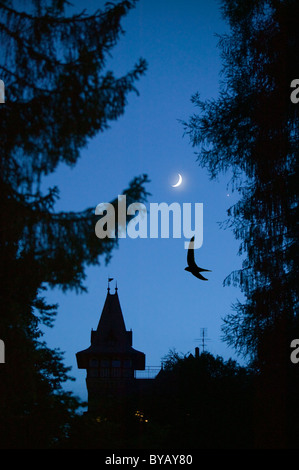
179 182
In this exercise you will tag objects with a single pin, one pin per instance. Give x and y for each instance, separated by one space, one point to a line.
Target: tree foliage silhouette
58 96
198 402
252 130
202 402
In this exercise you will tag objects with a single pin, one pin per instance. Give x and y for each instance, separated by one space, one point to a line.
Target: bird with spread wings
192 266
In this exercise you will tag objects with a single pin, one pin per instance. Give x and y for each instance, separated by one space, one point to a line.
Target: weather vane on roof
109 280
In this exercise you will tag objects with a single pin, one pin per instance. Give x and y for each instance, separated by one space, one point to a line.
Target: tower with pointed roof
110 360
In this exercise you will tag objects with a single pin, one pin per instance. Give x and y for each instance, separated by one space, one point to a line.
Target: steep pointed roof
111 336
111 326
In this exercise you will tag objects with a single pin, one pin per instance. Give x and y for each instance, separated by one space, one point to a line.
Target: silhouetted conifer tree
252 130
58 96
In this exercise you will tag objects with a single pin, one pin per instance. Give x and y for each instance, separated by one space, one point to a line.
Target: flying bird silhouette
192 266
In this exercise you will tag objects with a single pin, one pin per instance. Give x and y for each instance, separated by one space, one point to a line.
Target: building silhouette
110 360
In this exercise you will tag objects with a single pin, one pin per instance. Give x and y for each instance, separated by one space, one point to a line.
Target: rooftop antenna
203 338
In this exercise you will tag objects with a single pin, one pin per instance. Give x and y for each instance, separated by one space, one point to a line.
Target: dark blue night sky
163 304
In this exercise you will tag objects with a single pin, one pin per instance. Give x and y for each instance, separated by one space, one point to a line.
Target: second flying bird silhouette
192 266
